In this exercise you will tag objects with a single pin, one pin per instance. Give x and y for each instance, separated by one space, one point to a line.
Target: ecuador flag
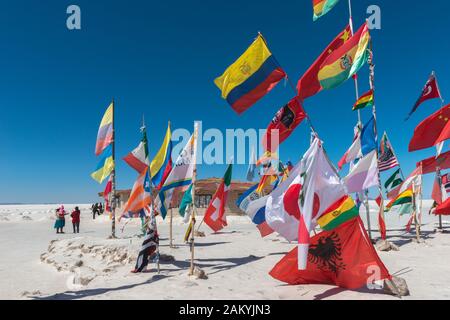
322 7
250 77
345 61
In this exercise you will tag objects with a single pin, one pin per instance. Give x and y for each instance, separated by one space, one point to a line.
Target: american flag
446 182
387 159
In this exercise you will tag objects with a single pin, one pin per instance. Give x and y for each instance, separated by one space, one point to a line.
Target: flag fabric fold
255 73
140 197
138 158
430 91
365 101
429 165
322 7
364 174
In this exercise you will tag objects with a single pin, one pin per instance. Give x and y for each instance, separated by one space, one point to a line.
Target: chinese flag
432 130
283 124
309 84
344 257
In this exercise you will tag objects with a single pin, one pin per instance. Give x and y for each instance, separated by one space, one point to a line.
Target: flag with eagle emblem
343 257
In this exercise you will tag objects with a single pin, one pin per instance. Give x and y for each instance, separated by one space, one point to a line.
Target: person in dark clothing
100 208
94 210
76 220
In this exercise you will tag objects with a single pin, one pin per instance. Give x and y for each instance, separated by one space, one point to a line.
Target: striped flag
446 182
138 158
105 133
105 166
387 159
149 249
140 197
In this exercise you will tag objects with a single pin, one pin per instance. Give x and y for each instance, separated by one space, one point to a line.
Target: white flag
364 174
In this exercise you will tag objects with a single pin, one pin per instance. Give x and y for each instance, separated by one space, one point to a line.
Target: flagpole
194 209
439 177
374 111
171 229
151 223
113 173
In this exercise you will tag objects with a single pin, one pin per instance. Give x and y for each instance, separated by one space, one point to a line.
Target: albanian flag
431 131
430 91
344 257
283 124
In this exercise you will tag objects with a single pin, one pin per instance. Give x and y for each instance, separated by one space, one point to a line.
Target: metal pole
113 173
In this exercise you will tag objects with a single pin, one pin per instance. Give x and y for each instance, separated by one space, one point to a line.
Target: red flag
429 165
443 209
309 84
106 193
283 124
430 91
436 194
381 221
215 214
432 130
408 225
343 257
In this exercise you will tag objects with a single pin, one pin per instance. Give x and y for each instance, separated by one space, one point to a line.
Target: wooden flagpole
439 177
171 229
113 173
355 78
194 209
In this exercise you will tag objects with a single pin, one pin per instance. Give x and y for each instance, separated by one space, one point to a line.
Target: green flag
394 181
187 200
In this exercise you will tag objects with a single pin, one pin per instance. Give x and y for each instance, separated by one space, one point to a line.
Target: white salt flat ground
237 261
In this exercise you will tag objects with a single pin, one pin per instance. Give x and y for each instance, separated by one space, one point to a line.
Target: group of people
97 209
60 221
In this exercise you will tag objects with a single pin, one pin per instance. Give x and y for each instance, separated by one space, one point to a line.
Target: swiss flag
430 91
344 257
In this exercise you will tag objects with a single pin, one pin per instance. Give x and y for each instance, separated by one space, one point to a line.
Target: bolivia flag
250 77
366 100
322 7
340 212
215 214
345 61
403 198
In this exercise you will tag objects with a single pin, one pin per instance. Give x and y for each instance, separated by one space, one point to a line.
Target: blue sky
160 59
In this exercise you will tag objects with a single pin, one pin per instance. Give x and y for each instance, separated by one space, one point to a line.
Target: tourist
76 220
60 219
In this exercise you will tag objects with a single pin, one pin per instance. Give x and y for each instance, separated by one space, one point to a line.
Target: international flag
406 197
346 61
149 249
105 166
443 209
340 212
161 165
215 216
250 77
438 194
322 7
309 84
394 181
140 196
431 131
363 144
381 219
251 171
363 175
446 182
429 91
138 158
180 177
365 101
283 124
255 207
186 200
339 257
105 131
387 159
429 165
106 193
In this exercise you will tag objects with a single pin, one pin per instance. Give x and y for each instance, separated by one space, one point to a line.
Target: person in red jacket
76 220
